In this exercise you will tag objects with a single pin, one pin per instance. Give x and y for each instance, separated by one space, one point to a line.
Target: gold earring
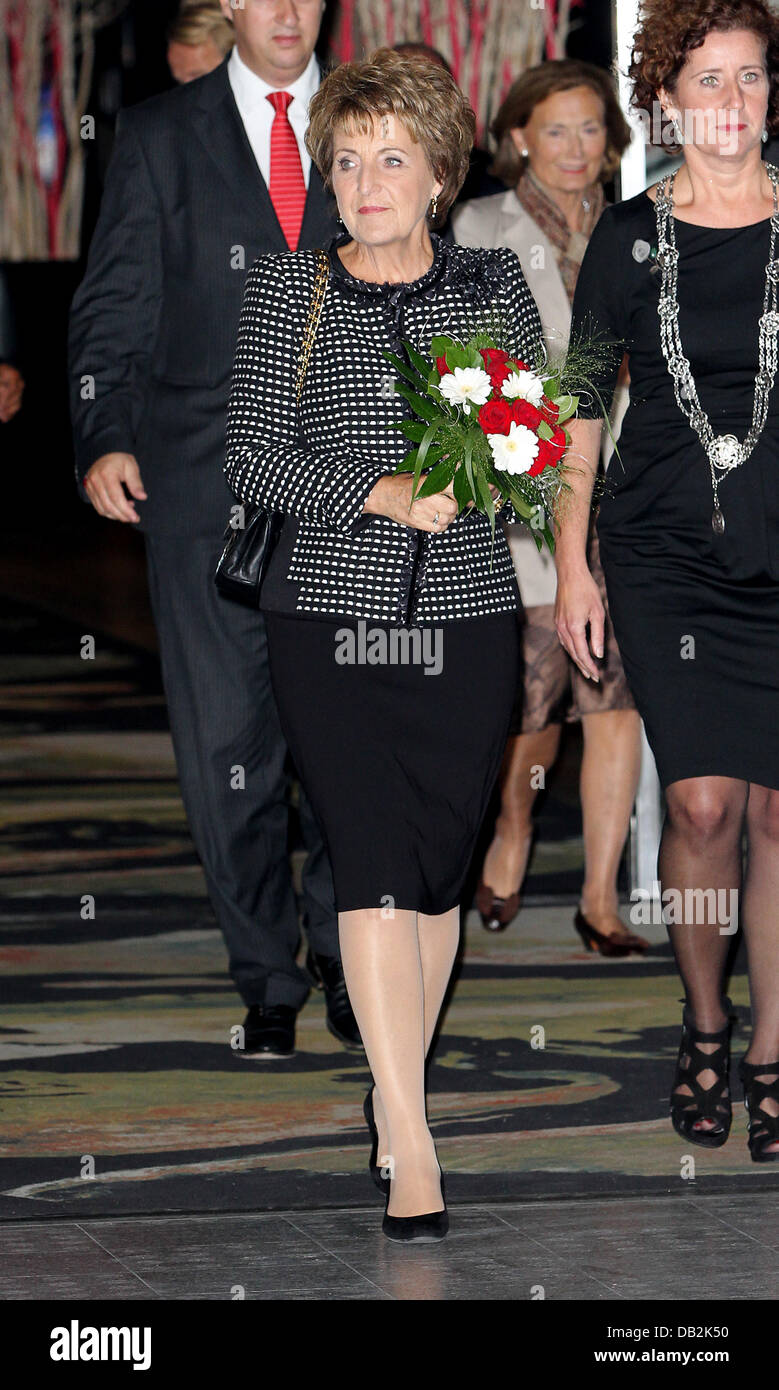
434 206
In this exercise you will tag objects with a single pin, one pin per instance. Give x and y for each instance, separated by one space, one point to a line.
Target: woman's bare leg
760 920
439 938
397 969
611 763
505 862
701 849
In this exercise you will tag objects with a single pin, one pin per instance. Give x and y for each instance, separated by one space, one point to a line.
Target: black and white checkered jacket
344 564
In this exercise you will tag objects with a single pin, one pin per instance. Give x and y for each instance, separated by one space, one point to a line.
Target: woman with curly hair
684 276
398 767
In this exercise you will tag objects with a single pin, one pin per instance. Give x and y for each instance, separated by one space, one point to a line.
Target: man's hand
391 496
11 388
103 486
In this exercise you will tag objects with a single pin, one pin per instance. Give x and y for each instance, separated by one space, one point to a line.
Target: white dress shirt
256 112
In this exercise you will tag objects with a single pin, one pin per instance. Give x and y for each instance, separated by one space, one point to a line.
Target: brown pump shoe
495 912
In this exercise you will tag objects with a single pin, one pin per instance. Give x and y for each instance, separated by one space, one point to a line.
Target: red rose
544 456
495 417
559 442
549 410
498 377
517 366
492 358
495 365
441 365
525 413
550 451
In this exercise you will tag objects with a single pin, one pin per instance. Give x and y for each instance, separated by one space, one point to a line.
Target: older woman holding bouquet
560 134
690 535
398 758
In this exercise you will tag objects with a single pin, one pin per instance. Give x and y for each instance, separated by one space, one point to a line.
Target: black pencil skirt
397 737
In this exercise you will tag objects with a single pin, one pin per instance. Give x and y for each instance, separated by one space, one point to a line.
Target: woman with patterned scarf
560 136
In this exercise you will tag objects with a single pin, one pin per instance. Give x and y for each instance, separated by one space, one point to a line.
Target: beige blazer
501 220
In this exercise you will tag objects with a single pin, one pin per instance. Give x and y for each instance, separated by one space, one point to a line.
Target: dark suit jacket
7 327
184 214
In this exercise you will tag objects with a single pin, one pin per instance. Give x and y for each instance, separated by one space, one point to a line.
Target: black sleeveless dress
696 615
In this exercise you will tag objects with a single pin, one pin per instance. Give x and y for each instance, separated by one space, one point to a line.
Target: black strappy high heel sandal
381 1182
763 1127
705 1102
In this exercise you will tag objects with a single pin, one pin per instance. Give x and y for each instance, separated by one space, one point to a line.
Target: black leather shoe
433 1225
269 1032
327 973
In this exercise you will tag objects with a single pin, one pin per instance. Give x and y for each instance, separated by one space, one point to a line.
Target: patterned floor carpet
120 1092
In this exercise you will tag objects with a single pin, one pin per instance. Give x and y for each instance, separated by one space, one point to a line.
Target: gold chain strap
312 322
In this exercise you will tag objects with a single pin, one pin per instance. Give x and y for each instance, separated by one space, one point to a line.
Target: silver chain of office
723 451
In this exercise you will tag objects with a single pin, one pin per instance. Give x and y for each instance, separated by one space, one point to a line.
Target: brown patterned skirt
553 689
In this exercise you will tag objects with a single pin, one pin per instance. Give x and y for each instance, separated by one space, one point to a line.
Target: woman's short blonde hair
199 21
420 94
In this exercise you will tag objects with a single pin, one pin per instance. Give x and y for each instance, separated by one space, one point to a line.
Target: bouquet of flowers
485 420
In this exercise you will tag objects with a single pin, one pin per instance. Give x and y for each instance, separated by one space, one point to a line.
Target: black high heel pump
431 1225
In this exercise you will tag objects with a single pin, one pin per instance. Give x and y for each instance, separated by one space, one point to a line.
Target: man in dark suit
202 180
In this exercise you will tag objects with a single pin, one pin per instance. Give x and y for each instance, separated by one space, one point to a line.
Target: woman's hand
579 603
391 496
578 600
495 493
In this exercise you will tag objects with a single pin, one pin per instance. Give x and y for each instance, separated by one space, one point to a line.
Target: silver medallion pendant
717 522
725 451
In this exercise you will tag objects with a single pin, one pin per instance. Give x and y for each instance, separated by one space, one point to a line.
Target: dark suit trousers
226 733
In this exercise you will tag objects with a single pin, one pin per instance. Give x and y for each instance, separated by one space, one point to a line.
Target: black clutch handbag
246 554
252 535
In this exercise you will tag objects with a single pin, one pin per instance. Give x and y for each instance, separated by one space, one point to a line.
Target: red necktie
287 187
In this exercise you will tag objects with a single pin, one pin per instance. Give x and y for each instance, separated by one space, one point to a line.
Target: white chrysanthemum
516 451
466 386
525 385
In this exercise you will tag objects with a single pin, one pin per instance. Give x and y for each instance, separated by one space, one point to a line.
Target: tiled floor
674 1248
